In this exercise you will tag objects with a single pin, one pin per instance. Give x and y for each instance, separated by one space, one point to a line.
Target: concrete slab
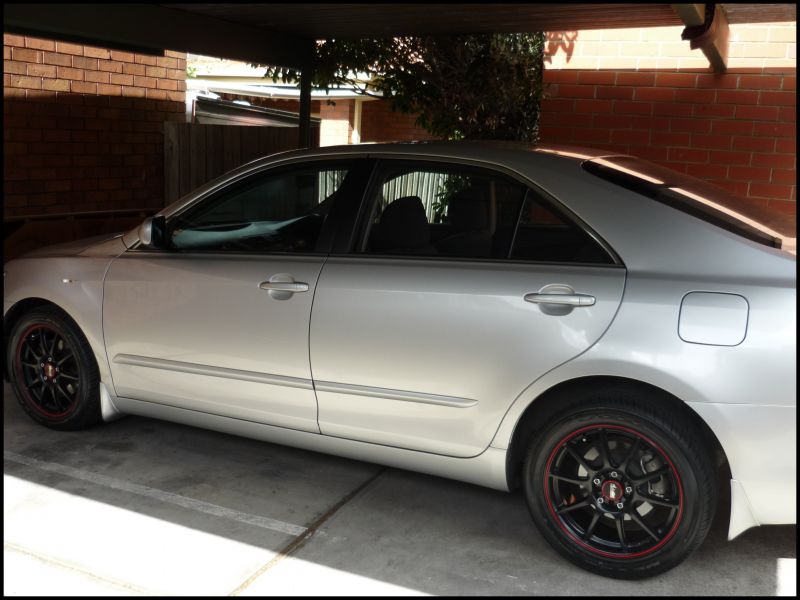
140 506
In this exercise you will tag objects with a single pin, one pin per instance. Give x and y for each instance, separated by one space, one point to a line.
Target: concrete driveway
147 507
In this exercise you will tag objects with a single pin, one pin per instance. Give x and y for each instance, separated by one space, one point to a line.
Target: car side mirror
152 233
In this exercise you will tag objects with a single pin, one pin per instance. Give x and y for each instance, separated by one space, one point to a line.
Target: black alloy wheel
53 371
620 488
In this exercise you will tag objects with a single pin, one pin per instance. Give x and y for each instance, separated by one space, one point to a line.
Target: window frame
358 171
348 246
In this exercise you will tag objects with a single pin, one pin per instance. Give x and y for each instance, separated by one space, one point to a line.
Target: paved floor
146 507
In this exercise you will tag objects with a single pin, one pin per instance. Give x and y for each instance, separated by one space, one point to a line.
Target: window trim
361 227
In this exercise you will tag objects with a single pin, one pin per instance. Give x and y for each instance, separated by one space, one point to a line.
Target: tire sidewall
696 496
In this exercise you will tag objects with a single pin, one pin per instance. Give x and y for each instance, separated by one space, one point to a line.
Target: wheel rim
48 371
613 491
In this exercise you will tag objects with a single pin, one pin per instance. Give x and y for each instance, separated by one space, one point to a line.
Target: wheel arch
556 399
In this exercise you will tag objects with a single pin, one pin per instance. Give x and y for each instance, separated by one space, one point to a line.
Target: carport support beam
305 107
710 35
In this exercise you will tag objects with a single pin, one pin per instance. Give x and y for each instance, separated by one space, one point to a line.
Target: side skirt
488 469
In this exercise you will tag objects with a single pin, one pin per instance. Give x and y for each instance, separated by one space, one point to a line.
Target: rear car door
463 286
218 323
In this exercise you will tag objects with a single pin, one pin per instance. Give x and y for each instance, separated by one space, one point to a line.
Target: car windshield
745 217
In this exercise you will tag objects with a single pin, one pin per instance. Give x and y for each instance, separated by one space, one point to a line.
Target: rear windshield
700 199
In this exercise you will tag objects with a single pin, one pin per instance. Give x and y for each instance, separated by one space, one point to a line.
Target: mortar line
300 541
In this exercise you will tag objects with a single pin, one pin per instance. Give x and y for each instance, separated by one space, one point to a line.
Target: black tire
53 371
660 535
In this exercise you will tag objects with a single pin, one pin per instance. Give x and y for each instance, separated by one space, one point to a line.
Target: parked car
614 337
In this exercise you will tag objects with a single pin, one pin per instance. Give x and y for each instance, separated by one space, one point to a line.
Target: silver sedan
616 338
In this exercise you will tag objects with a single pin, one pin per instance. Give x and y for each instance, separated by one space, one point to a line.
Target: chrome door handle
284 286
562 299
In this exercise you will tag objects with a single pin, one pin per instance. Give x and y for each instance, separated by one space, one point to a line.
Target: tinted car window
444 212
280 212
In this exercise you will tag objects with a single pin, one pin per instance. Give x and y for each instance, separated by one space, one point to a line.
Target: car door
219 321
464 286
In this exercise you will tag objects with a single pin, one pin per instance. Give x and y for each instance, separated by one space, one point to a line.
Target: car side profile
614 337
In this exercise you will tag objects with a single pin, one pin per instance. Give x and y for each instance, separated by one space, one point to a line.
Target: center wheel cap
49 371
612 490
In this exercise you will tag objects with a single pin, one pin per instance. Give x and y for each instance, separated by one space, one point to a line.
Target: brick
635 78
145 59
654 94
784 176
560 76
109 90
58 186
165 61
614 92
593 106
145 82
707 171
695 96
787 114
93 52
590 136
26 55
176 97
29 83
152 71
42 70
775 129
778 98
758 144
111 66
713 110
68 48
122 56
714 142
650 123
12 67
732 127
789 83
688 155
789 207
676 79
40 44
55 58
713 80
771 190
788 146
6 52
730 158
690 125
737 97
764 50
637 108
55 85
597 77
81 62
757 113
630 136
175 53
133 92
774 161
118 79
13 40
182 86
134 69
84 87
665 138
69 73
672 109
97 76
760 82
575 91
742 173
177 74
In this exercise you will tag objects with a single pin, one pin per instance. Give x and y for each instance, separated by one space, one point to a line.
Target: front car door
219 321
448 306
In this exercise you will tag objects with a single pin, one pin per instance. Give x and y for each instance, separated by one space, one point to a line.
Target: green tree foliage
485 86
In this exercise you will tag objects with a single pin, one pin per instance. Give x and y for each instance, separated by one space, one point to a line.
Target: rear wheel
619 488
53 371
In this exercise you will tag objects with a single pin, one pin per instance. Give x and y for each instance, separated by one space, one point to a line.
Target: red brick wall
380 124
83 126
644 92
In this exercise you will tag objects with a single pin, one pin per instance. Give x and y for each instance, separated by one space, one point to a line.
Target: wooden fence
195 154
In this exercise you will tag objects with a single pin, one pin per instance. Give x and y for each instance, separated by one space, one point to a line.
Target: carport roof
283 34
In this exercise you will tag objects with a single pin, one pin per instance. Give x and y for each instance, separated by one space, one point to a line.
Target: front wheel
620 489
53 371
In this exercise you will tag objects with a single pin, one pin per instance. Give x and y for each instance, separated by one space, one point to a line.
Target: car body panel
420 326
170 340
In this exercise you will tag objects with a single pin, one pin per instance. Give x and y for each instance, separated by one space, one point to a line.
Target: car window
546 235
461 212
446 212
276 212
